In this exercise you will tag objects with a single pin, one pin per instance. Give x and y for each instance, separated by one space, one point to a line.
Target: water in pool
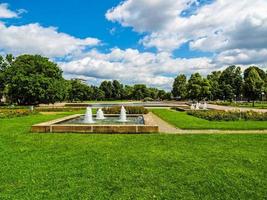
107 120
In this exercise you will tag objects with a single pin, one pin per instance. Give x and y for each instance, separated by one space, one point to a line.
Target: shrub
218 115
57 109
9 113
129 110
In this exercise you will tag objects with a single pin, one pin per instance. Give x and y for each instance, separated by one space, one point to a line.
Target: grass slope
77 166
185 121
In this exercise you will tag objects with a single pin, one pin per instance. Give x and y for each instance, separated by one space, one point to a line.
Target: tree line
33 79
230 84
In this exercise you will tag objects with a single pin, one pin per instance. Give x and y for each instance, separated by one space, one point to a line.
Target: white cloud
6 13
132 66
223 25
36 39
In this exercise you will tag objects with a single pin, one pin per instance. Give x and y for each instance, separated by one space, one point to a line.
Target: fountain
123 117
197 106
192 107
205 106
100 114
88 118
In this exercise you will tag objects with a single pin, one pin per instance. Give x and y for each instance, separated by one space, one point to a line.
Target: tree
107 88
33 79
4 64
253 85
140 91
215 89
128 92
117 90
179 88
231 82
97 94
194 86
261 73
79 91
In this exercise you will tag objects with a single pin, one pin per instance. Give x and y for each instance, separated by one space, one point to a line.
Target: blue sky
151 40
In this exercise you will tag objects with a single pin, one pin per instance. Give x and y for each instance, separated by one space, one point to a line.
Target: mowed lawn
184 121
105 166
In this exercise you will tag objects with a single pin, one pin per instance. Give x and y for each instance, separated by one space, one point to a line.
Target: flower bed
58 109
216 115
129 110
9 113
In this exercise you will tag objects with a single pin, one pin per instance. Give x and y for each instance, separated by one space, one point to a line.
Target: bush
57 109
129 110
9 113
218 115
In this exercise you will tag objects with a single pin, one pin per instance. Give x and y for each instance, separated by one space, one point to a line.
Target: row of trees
33 79
229 84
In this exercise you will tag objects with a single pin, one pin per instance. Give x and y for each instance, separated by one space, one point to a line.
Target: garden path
167 128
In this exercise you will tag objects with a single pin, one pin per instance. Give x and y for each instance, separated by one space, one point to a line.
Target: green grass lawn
78 166
184 121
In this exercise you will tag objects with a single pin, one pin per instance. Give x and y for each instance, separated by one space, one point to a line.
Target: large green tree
140 91
215 89
198 87
5 62
231 82
117 90
107 88
79 91
179 88
253 85
33 79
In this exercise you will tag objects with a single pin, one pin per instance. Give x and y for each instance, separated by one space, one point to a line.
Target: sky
137 41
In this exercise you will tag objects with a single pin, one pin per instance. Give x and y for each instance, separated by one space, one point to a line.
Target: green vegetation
9 113
228 84
184 121
129 110
78 166
220 115
257 104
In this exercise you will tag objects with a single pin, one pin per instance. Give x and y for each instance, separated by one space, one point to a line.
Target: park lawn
184 121
156 166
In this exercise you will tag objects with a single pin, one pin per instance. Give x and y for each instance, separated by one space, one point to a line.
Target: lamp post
262 94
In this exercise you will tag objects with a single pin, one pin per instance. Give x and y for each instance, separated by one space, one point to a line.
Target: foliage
215 89
79 91
34 80
58 109
10 113
219 115
253 85
198 87
179 88
129 110
184 121
230 82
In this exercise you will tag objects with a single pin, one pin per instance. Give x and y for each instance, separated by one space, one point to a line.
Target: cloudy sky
137 41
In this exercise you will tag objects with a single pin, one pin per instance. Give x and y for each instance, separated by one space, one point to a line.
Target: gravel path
219 107
167 128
